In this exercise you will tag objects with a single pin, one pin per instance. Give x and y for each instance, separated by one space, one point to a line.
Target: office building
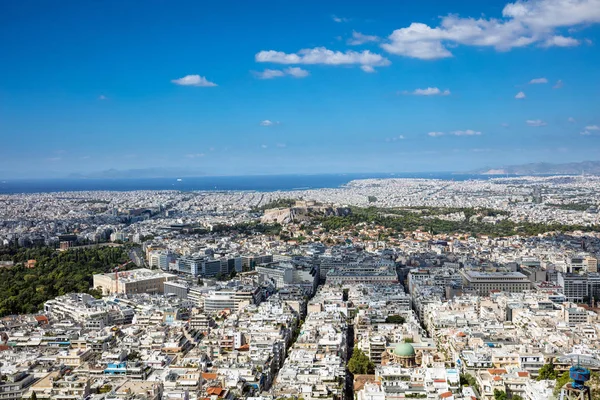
485 282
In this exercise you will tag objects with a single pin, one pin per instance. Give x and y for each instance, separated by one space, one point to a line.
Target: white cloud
520 95
585 133
193 80
197 155
592 128
436 134
269 74
296 72
538 81
430 91
367 68
571 119
267 122
522 23
558 84
263 146
322 55
337 19
102 97
468 132
360 38
561 41
535 122
395 139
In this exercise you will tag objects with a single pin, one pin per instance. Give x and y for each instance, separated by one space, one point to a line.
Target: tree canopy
24 290
360 364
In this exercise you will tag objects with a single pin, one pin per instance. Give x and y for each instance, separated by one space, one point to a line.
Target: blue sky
254 87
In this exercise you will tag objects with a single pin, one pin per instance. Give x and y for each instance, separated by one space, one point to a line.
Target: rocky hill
576 168
303 211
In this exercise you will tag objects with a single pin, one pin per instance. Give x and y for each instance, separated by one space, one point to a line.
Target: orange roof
209 375
439 380
445 395
523 374
496 371
41 318
214 390
244 347
497 378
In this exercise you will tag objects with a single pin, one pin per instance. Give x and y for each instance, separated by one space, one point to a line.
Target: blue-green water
263 183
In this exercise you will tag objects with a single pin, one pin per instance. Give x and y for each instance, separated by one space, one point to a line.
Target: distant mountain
587 167
138 173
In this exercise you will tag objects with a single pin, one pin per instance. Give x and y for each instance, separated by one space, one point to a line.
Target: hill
587 167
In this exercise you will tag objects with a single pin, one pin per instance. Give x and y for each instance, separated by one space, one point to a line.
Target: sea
260 183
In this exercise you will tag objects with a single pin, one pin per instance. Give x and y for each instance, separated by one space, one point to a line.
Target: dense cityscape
379 289
314 200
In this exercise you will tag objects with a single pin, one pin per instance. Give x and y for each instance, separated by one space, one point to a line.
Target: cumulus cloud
295 72
522 23
337 19
561 41
269 74
558 84
538 81
430 91
395 138
520 95
592 128
360 38
267 122
324 56
468 132
585 133
535 122
193 80
436 134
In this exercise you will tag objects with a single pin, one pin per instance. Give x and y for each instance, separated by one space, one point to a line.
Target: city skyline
241 89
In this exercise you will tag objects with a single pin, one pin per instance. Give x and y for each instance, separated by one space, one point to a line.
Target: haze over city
236 87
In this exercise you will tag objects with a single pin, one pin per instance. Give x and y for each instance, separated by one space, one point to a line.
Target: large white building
282 274
368 274
140 280
485 282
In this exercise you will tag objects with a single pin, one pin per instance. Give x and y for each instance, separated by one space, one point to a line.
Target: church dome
404 350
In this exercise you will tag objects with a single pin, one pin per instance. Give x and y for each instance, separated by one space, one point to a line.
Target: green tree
468 380
561 380
499 395
395 319
547 372
517 397
360 364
